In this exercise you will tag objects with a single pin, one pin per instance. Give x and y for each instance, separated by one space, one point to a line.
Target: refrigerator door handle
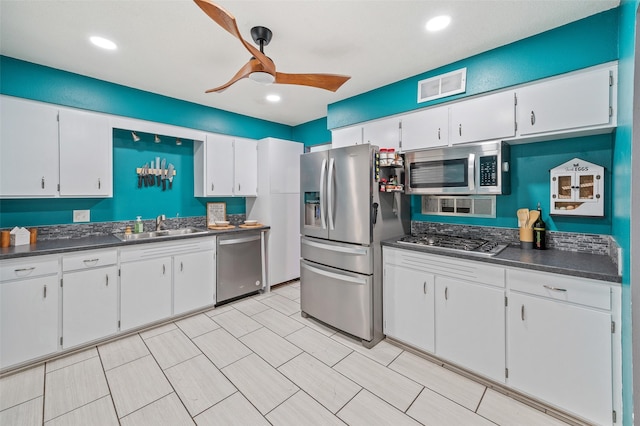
330 184
323 217
340 277
340 249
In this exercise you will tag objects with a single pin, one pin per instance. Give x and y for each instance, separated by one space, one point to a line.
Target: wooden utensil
523 217
533 217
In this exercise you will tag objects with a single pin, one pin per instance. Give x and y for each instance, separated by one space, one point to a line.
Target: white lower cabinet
29 308
89 296
552 337
409 306
193 281
560 343
158 280
145 292
470 326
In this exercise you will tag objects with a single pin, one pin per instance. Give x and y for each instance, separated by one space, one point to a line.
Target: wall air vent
443 85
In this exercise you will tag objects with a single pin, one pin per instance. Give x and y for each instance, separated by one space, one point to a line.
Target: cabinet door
346 136
28 319
219 165
383 133
409 306
245 167
145 292
485 118
572 102
28 149
425 129
561 353
194 281
90 305
86 162
470 326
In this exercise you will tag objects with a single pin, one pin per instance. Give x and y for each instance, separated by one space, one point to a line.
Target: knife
170 173
152 179
158 170
140 177
163 174
145 172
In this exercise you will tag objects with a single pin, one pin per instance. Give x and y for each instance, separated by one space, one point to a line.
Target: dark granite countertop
593 266
95 242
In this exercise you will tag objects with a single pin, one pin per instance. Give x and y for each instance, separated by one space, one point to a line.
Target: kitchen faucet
159 222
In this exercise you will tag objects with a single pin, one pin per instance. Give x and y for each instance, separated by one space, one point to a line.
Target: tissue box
19 236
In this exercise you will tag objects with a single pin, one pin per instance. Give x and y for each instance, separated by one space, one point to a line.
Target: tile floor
253 362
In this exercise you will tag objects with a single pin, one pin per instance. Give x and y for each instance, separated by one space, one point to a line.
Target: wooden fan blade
227 21
252 66
330 82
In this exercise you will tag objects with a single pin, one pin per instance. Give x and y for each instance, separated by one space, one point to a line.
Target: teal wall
313 132
621 221
31 81
590 41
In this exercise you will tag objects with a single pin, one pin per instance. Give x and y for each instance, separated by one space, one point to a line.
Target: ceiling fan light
262 77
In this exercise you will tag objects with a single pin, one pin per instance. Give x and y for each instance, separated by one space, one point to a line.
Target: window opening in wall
462 205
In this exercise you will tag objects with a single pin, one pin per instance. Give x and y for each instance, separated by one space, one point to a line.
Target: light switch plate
81 215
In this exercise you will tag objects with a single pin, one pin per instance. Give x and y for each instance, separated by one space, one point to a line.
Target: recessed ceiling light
103 43
438 23
273 98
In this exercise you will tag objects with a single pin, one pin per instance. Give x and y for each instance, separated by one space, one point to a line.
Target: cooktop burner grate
453 243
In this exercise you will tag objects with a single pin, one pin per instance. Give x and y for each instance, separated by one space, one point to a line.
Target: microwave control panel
489 170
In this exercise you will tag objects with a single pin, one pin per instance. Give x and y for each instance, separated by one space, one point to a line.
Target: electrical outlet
81 215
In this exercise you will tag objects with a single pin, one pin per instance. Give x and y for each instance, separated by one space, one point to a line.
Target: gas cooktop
471 246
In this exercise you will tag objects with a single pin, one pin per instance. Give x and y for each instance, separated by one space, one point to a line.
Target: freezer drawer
239 265
350 257
339 298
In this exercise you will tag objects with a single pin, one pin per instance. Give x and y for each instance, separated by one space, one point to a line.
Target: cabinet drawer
28 267
89 259
169 248
468 270
581 291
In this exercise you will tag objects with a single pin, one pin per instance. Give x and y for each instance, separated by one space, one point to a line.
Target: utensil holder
526 238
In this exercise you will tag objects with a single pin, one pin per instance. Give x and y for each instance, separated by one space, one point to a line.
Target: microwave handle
471 172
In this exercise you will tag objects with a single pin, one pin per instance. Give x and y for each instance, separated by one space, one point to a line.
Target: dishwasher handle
238 240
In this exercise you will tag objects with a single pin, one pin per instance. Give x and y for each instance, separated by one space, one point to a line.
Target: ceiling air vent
442 85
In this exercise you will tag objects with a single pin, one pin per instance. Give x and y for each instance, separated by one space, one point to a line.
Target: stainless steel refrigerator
343 218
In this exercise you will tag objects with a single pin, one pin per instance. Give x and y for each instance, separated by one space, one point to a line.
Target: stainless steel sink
152 235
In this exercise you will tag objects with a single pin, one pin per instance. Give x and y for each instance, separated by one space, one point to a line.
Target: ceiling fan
261 68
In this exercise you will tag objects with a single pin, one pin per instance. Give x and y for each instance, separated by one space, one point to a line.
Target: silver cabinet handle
44 291
533 118
212 186
106 278
424 287
554 288
238 187
86 261
42 182
24 269
460 129
522 312
438 133
163 269
446 293
181 266
99 186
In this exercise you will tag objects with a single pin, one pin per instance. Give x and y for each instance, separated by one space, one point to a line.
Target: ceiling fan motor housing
261 36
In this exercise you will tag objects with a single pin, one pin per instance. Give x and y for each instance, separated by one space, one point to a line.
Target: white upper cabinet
48 151
383 133
428 128
245 167
28 149
225 166
483 118
86 158
576 101
347 136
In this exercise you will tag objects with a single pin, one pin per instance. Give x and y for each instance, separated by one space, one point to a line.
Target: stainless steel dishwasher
239 265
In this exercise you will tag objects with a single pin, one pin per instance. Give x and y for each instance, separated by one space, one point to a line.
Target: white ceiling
172 48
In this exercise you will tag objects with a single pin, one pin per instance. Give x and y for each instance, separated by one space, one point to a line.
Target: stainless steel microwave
481 168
